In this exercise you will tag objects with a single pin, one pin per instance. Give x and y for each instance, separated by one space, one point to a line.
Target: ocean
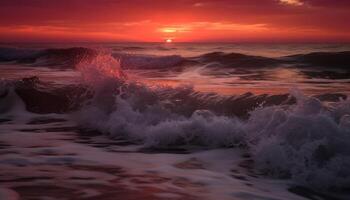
174 121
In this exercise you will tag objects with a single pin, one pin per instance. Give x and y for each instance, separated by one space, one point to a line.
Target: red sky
180 20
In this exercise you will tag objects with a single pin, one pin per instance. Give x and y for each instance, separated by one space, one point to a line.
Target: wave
300 138
66 57
131 48
322 59
336 60
143 48
70 57
41 97
19 55
48 57
288 136
237 60
339 60
307 142
182 100
132 61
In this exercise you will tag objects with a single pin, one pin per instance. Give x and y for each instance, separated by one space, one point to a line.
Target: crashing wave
296 137
307 141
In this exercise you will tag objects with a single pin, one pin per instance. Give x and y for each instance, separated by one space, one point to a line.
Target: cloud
230 26
212 26
176 29
292 2
199 4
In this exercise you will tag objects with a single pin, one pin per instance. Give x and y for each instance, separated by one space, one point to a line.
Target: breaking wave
289 136
307 141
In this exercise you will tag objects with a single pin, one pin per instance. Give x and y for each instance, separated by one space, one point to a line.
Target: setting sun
168 40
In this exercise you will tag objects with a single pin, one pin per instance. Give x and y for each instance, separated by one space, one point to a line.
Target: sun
168 40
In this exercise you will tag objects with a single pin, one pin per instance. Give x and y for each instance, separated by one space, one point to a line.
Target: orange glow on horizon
187 21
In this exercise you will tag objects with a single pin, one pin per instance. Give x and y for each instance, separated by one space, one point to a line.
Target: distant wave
70 57
234 60
143 48
19 55
128 48
48 57
132 61
322 59
340 60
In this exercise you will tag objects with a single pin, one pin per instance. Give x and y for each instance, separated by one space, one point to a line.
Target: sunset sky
179 20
